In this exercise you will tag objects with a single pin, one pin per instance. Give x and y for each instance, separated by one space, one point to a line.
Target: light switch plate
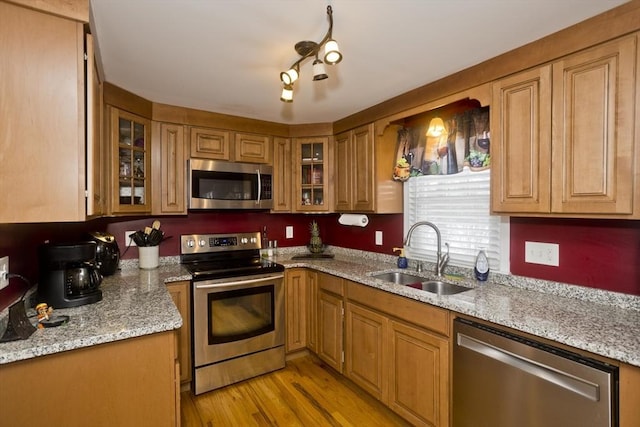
4 272
289 231
379 238
542 253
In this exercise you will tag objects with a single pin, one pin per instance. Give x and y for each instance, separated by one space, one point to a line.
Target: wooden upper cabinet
252 148
217 144
521 142
313 180
42 136
354 170
130 162
97 199
169 169
593 130
282 175
210 143
343 171
363 172
563 135
363 182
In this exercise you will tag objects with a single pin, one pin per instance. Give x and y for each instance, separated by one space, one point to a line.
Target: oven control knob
244 240
191 243
203 243
254 240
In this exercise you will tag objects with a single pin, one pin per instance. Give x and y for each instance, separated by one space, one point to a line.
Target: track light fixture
308 49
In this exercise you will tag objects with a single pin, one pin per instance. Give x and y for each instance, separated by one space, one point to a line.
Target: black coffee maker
107 252
68 275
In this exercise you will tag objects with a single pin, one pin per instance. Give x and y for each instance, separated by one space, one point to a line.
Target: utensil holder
148 257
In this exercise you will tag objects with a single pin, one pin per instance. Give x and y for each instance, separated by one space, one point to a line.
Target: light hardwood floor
305 393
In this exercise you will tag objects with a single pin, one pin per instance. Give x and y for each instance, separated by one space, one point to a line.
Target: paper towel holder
354 220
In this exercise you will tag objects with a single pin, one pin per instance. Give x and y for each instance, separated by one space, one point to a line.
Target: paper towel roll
354 220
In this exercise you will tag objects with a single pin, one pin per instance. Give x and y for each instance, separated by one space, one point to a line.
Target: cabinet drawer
418 313
329 283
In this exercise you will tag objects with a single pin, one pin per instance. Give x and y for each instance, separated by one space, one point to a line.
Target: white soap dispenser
481 269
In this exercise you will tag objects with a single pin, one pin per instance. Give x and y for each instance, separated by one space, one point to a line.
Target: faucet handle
442 262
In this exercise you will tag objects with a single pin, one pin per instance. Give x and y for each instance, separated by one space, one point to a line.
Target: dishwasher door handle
577 385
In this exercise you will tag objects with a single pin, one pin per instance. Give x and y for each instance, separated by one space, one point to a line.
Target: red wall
331 231
595 253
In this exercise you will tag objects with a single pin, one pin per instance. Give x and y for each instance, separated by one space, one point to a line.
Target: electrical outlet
128 241
4 272
289 231
542 253
379 238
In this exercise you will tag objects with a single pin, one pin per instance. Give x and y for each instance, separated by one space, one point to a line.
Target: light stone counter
134 303
604 323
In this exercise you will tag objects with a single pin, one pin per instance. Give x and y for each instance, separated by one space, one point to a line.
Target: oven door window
240 314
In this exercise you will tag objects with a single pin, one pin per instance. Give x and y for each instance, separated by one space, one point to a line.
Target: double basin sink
417 282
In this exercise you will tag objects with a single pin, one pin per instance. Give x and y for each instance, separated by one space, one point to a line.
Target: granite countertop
603 323
135 302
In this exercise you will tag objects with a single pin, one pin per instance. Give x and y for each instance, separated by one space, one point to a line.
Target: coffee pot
68 274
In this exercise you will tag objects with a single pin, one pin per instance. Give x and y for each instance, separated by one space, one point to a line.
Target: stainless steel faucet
441 262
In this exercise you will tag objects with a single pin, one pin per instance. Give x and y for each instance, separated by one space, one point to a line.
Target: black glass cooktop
229 267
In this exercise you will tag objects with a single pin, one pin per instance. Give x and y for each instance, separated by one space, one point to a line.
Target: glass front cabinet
313 177
130 163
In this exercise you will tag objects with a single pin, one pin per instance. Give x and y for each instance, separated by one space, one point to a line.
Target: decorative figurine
43 311
315 243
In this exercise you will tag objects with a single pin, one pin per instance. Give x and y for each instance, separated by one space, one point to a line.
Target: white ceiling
225 56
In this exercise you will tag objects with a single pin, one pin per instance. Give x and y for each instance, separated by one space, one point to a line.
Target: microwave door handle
259 187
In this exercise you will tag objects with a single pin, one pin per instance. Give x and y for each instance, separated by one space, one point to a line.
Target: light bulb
332 53
319 73
287 94
288 77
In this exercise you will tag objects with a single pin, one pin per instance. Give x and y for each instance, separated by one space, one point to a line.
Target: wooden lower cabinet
629 395
295 306
330 314
312 311
180 294
130 382
419 375
398 350
366 360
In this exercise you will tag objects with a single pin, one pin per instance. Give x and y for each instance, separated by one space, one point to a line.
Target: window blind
459 205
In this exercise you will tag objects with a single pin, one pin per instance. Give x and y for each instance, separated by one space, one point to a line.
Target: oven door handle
239 282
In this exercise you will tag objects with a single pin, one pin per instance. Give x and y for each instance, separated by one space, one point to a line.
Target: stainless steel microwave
215 184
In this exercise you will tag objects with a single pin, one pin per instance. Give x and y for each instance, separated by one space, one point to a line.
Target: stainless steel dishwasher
505 380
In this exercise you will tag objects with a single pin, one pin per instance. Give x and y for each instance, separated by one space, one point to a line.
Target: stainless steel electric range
237 308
